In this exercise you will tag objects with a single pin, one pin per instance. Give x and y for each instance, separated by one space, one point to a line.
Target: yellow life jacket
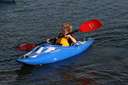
63 41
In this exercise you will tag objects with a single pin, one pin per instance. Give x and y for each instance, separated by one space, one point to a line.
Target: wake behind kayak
47 53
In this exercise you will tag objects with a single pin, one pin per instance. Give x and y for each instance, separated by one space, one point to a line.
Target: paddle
87 26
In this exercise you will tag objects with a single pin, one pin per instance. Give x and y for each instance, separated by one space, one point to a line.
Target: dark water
105 63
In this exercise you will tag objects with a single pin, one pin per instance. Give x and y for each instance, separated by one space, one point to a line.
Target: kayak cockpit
44 49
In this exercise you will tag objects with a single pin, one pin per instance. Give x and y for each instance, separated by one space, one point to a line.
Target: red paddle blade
91 25
26 46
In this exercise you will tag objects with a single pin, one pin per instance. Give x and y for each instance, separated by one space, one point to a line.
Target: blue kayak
47 53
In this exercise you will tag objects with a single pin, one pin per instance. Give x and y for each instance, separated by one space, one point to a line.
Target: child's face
65 31
66 28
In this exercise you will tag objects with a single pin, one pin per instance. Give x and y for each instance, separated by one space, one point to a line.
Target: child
64 39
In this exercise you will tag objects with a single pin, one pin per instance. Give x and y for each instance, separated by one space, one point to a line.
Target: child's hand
68 35
48 40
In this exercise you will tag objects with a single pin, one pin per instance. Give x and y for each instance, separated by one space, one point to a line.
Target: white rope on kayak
49 49
39 50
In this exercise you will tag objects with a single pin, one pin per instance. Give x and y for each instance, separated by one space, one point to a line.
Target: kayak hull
47 53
